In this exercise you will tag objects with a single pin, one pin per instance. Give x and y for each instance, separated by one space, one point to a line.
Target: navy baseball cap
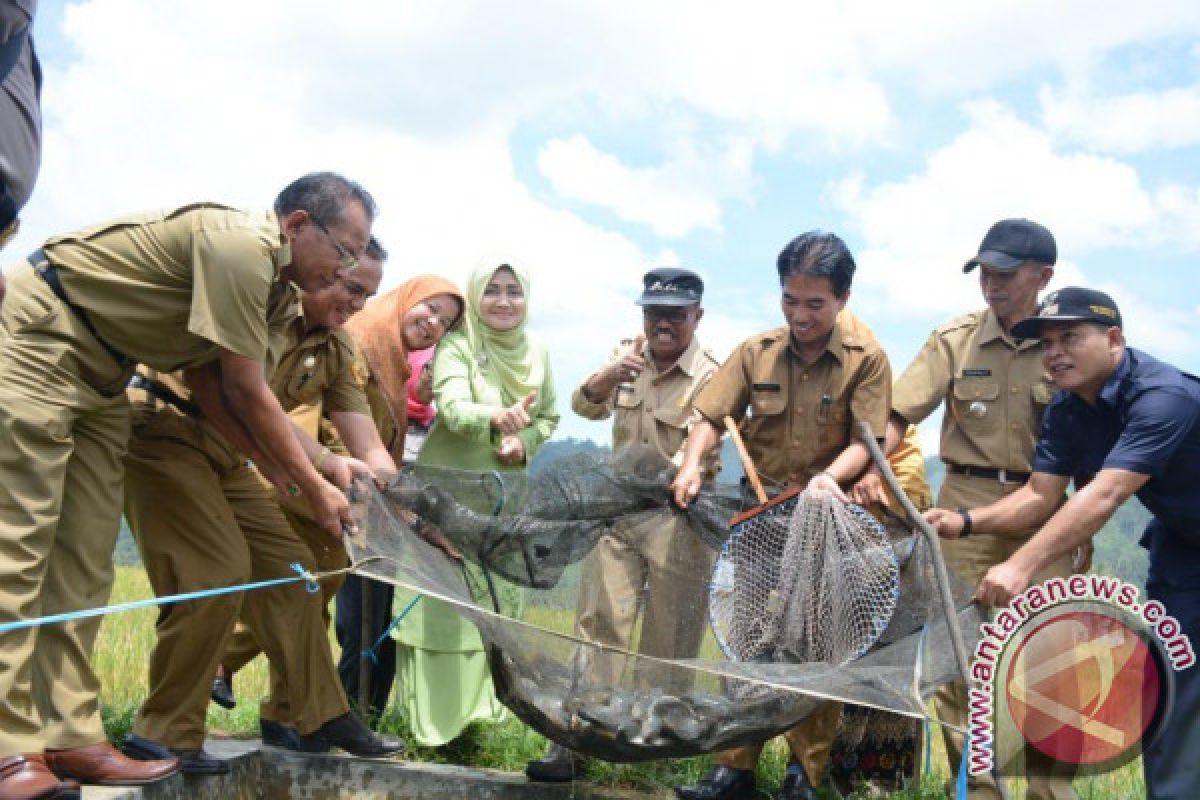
1011 242
671 286
1072 304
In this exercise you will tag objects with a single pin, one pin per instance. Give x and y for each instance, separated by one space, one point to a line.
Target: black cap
1011 242
671 286
1071 304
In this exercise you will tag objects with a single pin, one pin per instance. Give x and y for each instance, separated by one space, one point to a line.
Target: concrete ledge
267 773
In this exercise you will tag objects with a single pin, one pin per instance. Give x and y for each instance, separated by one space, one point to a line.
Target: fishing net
807 578
533 536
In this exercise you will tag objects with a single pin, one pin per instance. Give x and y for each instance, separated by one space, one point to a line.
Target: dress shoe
196 761
222 690
796 785
559 765
103 764
351 734
276 734
27 778
721 783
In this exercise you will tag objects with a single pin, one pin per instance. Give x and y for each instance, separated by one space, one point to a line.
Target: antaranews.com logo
1078 669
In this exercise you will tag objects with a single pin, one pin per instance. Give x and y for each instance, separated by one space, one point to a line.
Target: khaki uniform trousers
64 424
203 519
661 566
969 559
328 554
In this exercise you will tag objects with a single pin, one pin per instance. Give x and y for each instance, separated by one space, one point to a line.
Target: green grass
125 641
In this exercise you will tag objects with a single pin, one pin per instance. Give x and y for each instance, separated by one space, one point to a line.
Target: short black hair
376 250
324 195
820 254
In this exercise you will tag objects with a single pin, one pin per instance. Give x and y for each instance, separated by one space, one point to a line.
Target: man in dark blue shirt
1125 423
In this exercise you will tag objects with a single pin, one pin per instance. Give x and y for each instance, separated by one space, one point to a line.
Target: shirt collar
839 338
991 331
686 361
1111 388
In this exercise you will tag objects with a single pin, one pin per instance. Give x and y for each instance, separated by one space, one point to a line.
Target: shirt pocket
672 425
627 397
975 405
766 421
833 431
304 388
1041 393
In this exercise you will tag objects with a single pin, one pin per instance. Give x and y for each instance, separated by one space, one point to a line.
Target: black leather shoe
351 734
191 762
559 765
721 783
276 734
796 785
222 691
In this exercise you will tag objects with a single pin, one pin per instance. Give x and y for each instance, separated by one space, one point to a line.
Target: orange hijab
378 330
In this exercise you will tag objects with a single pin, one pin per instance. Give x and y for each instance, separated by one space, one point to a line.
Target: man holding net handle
805 387
996 390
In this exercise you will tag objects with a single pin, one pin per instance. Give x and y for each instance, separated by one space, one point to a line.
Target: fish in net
808 578
529 533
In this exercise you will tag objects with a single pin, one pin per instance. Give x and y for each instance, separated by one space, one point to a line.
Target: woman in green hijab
495 399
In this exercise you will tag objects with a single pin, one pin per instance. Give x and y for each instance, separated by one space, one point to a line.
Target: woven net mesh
527 542
806 579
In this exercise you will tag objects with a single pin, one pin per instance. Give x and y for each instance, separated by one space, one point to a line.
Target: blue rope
374 649
960 786
310 584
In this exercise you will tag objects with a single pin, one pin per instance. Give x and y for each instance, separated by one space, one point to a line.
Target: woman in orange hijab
413 316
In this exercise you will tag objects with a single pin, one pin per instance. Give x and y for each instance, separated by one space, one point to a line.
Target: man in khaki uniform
995 389
647 388
203 517
806 385
187 289
320 374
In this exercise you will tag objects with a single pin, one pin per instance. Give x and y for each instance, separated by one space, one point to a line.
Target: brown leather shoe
103 764
27 778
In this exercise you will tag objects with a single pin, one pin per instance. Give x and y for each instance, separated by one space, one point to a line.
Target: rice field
125 641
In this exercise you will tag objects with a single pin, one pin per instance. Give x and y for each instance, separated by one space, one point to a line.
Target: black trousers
348 627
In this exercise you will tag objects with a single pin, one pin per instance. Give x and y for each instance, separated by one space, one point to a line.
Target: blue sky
593 141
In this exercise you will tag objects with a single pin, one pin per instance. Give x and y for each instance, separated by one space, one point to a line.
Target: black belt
163 393
49 273
1002 475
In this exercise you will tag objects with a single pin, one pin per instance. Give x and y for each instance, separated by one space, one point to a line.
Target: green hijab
514 360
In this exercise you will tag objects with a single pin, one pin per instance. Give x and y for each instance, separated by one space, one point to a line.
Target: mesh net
808 578
608 650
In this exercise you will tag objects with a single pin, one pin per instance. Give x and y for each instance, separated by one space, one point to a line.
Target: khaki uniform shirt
391 429
317 371
655 408
995 390
908 463
799 418
170 288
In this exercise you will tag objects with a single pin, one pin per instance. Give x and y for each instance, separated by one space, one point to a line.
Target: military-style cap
1072 304
1011 242
671 286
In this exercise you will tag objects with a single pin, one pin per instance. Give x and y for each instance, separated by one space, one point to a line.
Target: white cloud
1127 123
674 199
919 230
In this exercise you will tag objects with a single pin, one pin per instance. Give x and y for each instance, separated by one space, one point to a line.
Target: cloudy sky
591 141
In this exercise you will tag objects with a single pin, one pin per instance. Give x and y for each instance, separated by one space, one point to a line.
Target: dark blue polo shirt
1146 419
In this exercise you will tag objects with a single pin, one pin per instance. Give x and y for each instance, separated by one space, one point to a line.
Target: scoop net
533 546
807 578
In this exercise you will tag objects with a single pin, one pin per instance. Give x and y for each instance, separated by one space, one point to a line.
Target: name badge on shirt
765 387
977 372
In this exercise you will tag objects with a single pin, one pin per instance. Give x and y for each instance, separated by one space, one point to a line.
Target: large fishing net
529 535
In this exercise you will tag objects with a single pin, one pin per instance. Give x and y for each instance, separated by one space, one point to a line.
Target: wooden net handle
747 464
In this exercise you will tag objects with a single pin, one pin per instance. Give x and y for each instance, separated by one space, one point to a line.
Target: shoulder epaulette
970 320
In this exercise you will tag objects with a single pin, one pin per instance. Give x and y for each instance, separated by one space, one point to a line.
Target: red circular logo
1083 687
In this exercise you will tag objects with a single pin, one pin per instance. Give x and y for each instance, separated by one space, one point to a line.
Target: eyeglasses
348 261
674 315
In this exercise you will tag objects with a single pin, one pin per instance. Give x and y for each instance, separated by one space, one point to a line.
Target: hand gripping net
806 579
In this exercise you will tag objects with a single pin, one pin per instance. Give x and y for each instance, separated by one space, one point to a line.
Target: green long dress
443 680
